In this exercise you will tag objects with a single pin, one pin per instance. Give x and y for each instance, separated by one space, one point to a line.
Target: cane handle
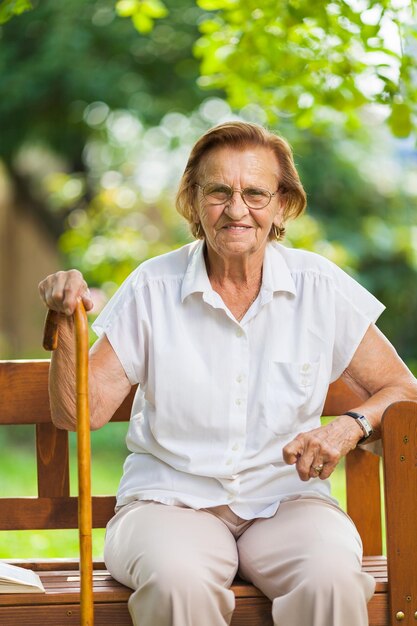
50 331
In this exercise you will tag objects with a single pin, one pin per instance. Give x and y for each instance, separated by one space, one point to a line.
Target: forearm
378 377
62 377
62 386
374 406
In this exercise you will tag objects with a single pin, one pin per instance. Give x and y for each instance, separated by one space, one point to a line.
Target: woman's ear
279 217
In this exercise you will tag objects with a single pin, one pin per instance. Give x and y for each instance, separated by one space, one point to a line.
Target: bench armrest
399 439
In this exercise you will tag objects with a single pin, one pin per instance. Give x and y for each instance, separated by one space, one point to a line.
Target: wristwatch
363 423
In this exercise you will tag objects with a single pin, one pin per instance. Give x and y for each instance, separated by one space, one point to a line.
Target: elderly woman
233 341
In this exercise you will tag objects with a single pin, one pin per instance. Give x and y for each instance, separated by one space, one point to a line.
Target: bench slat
24 395
24 392
50 513
114 614
62 595
63 584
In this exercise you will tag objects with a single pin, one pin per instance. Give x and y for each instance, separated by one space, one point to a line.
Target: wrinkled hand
317 452
61 291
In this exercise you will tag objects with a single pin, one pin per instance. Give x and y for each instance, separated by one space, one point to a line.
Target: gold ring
318 468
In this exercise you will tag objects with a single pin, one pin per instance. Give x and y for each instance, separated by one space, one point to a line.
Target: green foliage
400 120
61 59
8 8
142 12
361 217
316 62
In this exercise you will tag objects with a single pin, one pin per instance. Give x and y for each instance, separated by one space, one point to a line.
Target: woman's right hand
62 290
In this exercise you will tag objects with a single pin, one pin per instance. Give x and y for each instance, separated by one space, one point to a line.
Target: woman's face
233 229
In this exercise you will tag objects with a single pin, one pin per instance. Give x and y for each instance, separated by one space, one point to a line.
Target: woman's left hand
317 452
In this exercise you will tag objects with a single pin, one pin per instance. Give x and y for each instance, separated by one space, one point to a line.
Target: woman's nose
235 207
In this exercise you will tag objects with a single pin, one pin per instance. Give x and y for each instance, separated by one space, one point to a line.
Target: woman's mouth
236 227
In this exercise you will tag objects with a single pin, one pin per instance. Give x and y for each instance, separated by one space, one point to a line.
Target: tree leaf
215 5
154 9
400 120
142 22
9 8
127 8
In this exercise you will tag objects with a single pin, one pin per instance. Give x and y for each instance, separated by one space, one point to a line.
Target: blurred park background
100 104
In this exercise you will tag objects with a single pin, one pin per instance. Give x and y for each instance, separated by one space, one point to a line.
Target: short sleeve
355 309
124 321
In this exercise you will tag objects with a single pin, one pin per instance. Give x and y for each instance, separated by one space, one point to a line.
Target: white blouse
218 399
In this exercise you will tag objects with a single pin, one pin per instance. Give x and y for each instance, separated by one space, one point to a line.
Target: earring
279 231
198 231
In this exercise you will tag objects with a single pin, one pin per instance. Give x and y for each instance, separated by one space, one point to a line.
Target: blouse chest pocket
292 395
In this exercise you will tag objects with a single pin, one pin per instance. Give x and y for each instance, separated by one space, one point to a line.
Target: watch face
363 423
367 428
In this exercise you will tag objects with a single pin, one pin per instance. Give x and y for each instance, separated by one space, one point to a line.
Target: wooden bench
24 400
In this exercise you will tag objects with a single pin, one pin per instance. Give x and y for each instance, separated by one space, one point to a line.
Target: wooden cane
50 342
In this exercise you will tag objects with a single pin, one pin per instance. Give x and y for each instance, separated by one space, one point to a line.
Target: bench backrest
24 400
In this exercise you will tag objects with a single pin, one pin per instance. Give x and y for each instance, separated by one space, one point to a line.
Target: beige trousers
181 562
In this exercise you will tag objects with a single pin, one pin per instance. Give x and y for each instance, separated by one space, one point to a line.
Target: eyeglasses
253 197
